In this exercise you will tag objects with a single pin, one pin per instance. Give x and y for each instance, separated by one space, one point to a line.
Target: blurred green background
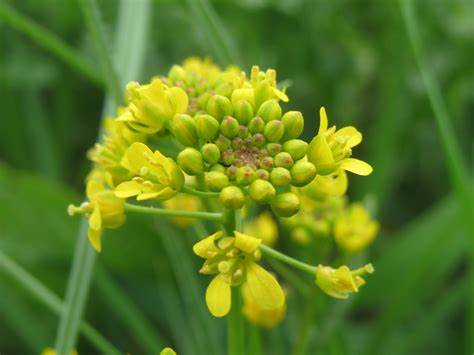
353 57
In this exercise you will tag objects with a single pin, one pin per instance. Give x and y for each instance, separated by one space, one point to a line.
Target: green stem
288 274
255 341
212 216
204 194
49 41
51 301
266 250
456 168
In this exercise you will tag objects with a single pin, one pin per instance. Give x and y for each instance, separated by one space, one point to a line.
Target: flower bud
218 167
262 174
296 148
176 73
232 197
230 127
211 153
243 94
216 181
294 124
243 132
203 99
231 172
273 148
286 204
256 125
284 160
219 106
266 163
222 143
228 157
207 127
280 176
259 140
270 110
262 191
245 175
184 129
302 173
243 111
190 160
274 131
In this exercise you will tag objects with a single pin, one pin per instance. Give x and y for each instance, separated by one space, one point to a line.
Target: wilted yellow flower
104 209
264 227
340 282
51 351
331 149
156 176
233 259
355 229
267 318
183 202
151 106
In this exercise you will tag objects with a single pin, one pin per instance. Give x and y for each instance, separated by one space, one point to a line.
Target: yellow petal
93 188
280 94
137 156
95 219
95 238
356 166
246 243
319 153
323 120
206 248
128 189
218 297
263 288
178 99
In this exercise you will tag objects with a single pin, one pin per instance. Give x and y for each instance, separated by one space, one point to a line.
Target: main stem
235 322
212 216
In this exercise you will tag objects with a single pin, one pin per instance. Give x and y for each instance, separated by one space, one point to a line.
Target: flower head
267 318
331 149
104 210
340 282
355 229
233 261
155 176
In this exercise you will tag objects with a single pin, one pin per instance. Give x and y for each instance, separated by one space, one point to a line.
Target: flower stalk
211 216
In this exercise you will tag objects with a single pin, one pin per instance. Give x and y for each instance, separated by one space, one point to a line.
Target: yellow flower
184 203
331 149
156 176
152 106
104 209
355 229
264 227
340 282
267 318
51 351
233 259
167 351
334 184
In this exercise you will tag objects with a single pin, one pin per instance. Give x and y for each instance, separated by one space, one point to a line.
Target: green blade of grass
457 170
50 300
49 41
84 256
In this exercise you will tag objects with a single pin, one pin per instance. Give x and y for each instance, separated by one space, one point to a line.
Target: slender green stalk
49 41
51 300
457 170
301 342
266 250
255 340
204 194
298 283
211 216
92 17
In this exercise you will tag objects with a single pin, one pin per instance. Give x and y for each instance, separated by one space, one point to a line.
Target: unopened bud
302 173
232 197
244 94
256 125
274 131
231 172
270 110
284 160
280 176
218 167
266 163
203 99
243 111
262 191
176 73
286 204
245 175
296 148
262 174
294 124
273 148
228 157
243 131
259 139
190 160
184 129
207 127
216 181
211 153
219 106
229 127
223 143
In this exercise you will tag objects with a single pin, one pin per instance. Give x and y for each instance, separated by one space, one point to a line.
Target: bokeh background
353 57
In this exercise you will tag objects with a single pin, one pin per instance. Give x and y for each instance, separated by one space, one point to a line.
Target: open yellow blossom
267 318
340 282
233 261
355 229
151 106
104 209
156 176
331 149
334 184
183 202
264 227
